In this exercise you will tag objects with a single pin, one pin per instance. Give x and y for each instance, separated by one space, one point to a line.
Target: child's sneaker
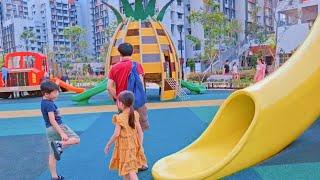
59 178
57 149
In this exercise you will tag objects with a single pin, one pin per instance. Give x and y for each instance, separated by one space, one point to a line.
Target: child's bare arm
116 134
56 126
140 132
112 89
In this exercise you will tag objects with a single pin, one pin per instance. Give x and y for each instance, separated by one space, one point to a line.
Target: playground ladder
177 86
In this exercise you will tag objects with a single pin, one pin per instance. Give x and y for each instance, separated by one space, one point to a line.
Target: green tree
192 64
218 30
75 34
278 23
50 57
108 32
255 31
259 34
27 35
1 61
272 39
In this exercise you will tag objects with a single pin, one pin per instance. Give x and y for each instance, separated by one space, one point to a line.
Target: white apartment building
241 10
99 17
47 19
295 19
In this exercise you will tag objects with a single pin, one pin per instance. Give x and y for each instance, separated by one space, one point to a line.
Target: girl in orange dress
128 155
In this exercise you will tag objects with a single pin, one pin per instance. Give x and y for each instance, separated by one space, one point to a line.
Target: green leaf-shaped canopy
139 12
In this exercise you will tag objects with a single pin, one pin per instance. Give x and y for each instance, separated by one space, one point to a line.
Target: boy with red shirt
118 79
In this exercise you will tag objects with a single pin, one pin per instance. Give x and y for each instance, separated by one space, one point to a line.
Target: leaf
151 8
115 11
196 41
218 30
139 11
163 11
128 10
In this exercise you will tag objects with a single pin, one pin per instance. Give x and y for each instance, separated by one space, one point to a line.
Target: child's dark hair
48 87
261 60
125 49
127 99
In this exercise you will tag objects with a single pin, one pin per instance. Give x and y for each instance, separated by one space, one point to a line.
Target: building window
180 45
172 15
197 47
150 58
179 2
189 7
149 40
289 17
172 28
309 14
180 15
232 4
226 2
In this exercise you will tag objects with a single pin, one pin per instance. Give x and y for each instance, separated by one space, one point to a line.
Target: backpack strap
134 67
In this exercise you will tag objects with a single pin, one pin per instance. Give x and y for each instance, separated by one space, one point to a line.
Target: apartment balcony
177 8
269 23
180 21
308 2
268 4
286 5
99 23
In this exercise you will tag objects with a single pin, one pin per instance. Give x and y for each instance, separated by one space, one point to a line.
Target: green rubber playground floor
23 146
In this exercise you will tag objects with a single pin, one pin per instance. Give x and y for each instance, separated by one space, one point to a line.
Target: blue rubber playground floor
24 149
100 99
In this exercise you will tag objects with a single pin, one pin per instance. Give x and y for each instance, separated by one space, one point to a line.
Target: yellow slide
255 123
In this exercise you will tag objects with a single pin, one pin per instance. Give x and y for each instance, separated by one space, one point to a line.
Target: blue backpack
135 85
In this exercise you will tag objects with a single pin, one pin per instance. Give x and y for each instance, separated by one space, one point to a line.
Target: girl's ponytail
131 118
127 98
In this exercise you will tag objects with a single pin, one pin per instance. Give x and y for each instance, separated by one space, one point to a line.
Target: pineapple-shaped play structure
153 47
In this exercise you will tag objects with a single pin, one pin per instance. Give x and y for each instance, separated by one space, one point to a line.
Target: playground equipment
255 123
153 47
84 97
26 69
194 87
66 86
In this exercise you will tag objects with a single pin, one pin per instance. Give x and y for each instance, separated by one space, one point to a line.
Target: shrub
86 81
197 77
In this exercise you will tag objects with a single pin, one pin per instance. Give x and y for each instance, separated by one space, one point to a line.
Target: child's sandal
59 178
143 168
